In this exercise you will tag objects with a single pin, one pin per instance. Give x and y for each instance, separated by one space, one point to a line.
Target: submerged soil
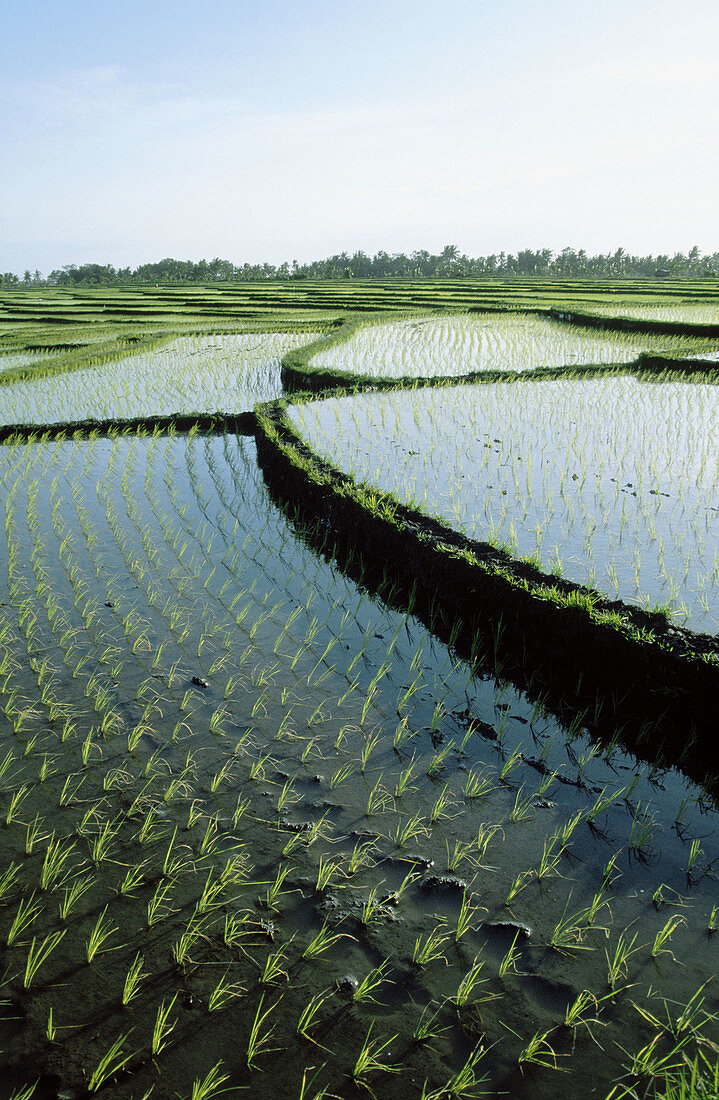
331 737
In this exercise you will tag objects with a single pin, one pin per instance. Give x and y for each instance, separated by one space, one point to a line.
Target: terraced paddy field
609 480
461 344
236 371
280 814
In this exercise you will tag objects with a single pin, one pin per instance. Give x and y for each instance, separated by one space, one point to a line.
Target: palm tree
449 253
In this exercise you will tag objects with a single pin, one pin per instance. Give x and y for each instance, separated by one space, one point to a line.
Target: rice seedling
212 895
565 833
522 808
427 1027
409 830
438 762
583 1010
110 1064
650 1064
37 955
609 872
27 913
211 838
102 841
55 869
343 773
538 1051
241 807
402 733
439 810
429 948
664 935
371 908
175 864
362 855
569 931
34 834
24 1092
462 852
186 942
477 784
512 762
322 941
153 828
73 893
308 1083
550 860
521 880
403 785
132 880
365 989
485 833
210 1085
163 1028
642 832
274 889
596 905
468 990
327 870
257 769
273 970
158 907
370 1061
618 959
261 1034
16 800
465 1083
90 819
508 962
695 851
466 916
223 993
308 1016
133 979
100 934
379 800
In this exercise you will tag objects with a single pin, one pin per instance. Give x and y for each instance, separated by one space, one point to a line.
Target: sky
271 130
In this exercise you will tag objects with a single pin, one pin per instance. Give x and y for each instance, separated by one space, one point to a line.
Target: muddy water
324 735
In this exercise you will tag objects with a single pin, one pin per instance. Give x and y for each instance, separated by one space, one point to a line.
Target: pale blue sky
279 129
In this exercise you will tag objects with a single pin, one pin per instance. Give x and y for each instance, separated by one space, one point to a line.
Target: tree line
450 262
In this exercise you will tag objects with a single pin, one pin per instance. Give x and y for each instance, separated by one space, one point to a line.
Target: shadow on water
646 718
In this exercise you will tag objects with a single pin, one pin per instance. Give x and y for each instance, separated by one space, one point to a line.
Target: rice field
264 832
12 361
221 373
695 313
611 481
462 344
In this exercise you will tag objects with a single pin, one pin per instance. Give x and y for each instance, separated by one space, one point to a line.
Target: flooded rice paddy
461 344
221 373
13 360
611 481
694 313
262 830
